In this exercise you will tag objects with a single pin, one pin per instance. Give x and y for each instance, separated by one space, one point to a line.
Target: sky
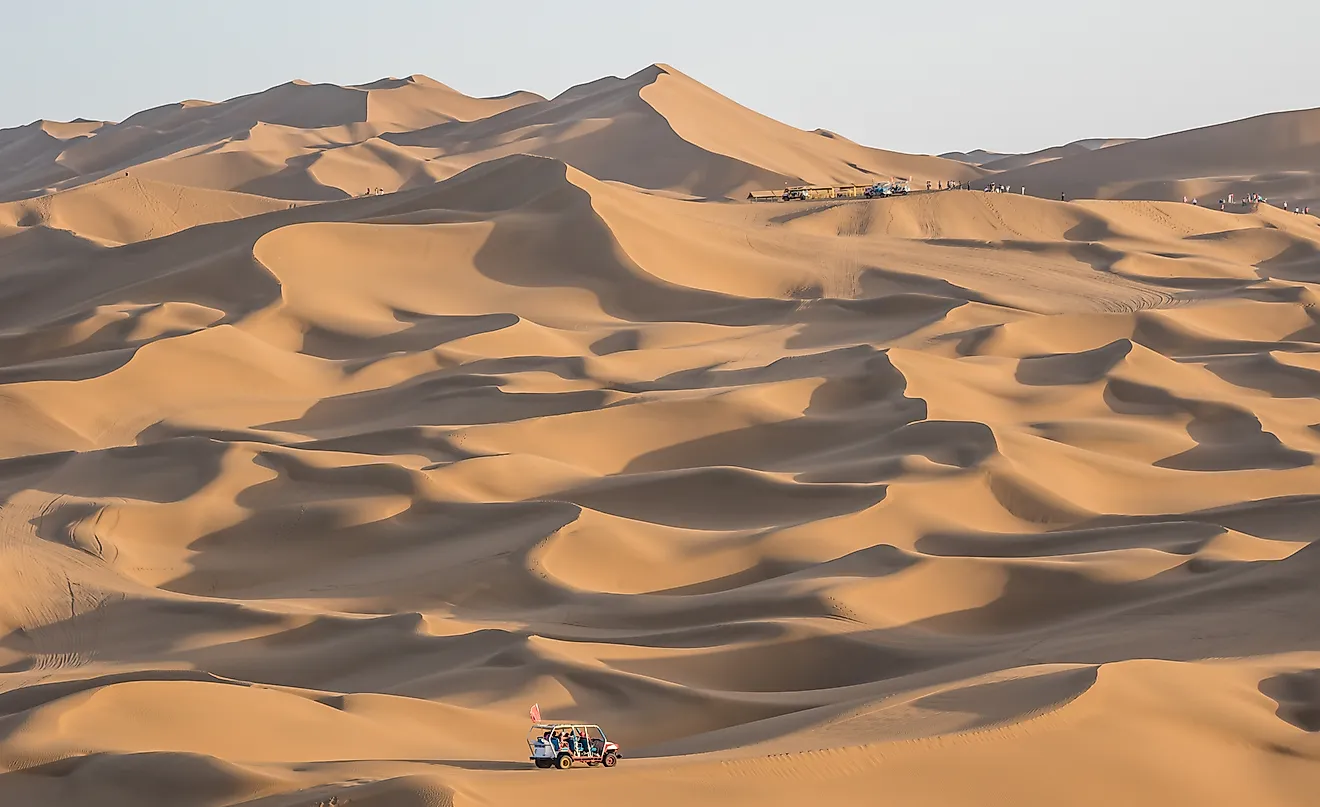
924 76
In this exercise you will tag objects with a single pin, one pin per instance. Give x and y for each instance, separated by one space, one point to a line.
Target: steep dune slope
1009 162
660 129
975 156
657 129
935 496
29 154
703 117
419 101
604 128
1275 155
191 131
121 210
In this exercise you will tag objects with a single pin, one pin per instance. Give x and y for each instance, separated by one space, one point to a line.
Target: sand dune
1273 155
306 496
1009 162
975 156
662 130
997 161
236 142
123 210
657 129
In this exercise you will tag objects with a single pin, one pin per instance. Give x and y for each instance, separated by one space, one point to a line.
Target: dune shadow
1099 257
1235 442
797 665
1191 612
144 777
1298 697
516 253
29 697
863 393
75 367
423 332
1283 518
436 399
1267 374
1280 518
877 320
1299 262
85 485
295 181
721 498
266 555
462 764
1228 437
482 764
22 472
1175 537
1065 369
1050 616
788 368
997 702
617 342
1089 230
160 472
803 211
889 306
878 282
723 478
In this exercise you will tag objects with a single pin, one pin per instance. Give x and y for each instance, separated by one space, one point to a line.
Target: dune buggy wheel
611 759
564 762
545 763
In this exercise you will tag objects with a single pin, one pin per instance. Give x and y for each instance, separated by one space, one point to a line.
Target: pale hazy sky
917 75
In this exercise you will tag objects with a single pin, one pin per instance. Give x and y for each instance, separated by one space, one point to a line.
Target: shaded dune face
304 499
656 129
1273 155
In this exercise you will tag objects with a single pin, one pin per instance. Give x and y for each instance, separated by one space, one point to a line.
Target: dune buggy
562 744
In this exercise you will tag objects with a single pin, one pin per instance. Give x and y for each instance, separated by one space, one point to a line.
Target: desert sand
1276 155
960 498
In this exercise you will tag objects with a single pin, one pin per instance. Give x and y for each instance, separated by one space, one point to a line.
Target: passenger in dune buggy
560 744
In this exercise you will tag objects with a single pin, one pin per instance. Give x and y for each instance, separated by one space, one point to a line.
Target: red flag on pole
536 713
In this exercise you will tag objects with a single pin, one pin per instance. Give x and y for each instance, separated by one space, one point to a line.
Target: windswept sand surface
952 499
1276 155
